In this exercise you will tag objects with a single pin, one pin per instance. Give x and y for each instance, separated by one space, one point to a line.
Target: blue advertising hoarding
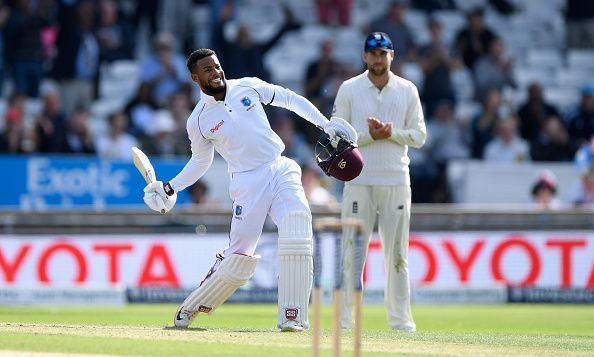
81 182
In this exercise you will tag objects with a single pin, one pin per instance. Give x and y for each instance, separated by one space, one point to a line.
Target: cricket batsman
230 118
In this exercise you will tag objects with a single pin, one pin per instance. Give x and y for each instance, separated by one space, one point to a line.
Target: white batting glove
338 126
156 198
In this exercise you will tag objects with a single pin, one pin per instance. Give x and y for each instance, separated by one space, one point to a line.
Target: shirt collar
391 80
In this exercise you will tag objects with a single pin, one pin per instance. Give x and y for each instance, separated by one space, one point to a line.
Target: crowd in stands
100 76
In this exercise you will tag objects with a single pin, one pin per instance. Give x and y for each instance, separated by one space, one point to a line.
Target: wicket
335 226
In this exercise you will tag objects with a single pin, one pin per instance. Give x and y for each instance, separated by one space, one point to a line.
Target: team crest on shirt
238 210
247 103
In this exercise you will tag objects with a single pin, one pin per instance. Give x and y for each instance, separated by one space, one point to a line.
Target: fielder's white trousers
391 204
274 189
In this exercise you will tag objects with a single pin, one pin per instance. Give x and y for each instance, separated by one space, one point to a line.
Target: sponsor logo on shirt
216 127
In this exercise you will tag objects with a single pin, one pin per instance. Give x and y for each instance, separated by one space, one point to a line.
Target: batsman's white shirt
386 161
262 182
238 128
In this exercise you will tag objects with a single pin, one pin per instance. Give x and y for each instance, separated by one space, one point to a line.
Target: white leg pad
295 269
233 272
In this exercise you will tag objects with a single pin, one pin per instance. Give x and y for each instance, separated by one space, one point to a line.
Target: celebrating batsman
230 118
386 112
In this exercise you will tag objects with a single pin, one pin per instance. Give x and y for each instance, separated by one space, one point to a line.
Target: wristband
168 189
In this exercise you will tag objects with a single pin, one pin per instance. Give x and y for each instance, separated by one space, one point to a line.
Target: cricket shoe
291 326
184 317
406 328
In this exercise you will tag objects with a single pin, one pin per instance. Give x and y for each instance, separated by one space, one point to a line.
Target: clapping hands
378 129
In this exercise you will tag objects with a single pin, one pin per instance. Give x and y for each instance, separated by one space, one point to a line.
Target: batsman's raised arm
272 94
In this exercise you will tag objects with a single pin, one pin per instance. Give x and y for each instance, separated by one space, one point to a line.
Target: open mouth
216 82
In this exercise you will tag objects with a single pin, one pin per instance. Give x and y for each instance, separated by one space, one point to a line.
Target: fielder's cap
378 41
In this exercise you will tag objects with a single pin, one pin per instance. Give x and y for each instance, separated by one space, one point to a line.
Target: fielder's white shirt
386 161
238 128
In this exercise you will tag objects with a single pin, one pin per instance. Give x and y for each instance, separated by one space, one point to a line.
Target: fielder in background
386 112
230 118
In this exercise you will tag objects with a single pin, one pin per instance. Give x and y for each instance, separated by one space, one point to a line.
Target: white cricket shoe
183 317
291 326
406 328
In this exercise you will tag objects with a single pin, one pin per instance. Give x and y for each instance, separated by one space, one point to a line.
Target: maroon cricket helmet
343 161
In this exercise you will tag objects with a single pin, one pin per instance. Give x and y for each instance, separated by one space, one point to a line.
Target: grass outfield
248 330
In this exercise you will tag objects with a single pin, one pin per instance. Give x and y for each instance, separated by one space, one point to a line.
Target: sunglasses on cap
374 42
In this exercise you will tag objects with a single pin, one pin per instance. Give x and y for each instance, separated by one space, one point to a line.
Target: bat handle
161 206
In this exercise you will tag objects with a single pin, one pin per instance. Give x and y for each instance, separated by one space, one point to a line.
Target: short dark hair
197 56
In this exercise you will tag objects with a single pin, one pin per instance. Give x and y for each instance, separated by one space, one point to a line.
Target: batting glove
339 127
156 198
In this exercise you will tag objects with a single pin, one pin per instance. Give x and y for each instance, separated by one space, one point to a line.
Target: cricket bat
144 166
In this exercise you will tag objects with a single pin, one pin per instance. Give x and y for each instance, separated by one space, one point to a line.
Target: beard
210 90
378 70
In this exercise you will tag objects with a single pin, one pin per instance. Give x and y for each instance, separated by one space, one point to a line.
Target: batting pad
233 272
295 268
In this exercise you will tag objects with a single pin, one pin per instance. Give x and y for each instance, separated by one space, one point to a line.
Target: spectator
392 23
115 37
544 191
579 15
507 146
316 194
159 139
50 126
534 113
198 192
79 139
23 37
449 139
584 196
581 124
553 142
116 144
180 109
296 146
242 57
341 8
177 19
147 11
492 70
319 75
436 62
141 110
4 17
76 65
164 69
473 40
429 6
11 140
483 126
584 157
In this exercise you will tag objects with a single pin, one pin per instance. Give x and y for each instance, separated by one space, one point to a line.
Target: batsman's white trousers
274 189
392 205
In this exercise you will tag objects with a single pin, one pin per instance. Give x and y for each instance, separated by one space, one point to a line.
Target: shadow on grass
175 328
